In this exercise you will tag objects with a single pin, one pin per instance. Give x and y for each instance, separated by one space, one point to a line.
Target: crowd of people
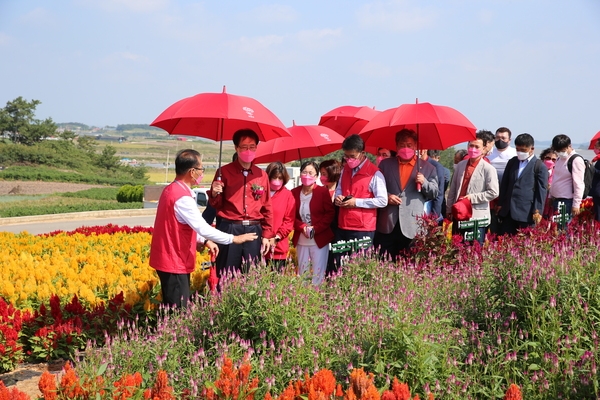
502 187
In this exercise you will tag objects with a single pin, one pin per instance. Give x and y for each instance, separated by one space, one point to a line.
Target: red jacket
321 214
173 247
284 209
358 219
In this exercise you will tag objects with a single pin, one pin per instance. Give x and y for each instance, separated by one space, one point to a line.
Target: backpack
588 174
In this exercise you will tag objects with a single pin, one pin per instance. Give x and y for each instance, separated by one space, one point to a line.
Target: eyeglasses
246 148
201 169
306 173
550 158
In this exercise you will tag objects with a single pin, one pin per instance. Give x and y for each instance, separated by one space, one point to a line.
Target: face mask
473 152
597 151
562 154
522 156
247 156
501 144
406 153
324 180
276 184
379 159
353 162
454 165
199 179
308 180
549 164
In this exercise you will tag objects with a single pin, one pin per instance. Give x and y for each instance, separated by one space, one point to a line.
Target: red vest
358 219
173 247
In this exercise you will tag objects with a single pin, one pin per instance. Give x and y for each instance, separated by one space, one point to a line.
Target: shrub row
59 205
130 194
42 173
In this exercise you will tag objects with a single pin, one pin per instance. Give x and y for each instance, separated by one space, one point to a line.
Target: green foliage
59 205
87 143
130 194
107 159
129 127
17 119
109 193
54 175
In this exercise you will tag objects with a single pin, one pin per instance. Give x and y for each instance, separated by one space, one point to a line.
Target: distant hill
130 127
73 126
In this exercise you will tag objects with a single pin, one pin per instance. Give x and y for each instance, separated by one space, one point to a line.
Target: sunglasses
550 158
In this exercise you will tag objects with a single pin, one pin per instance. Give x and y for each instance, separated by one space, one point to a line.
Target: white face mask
522 156
562 154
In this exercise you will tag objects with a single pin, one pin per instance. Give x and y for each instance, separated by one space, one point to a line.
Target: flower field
516 318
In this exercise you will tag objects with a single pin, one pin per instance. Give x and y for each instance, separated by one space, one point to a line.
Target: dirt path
27 376
38 187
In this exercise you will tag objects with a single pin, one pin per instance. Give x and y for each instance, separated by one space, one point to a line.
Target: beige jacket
483 187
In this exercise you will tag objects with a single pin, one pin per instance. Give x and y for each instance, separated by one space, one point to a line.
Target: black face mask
501 144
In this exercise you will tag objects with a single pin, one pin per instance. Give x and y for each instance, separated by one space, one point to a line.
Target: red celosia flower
161 389
69 384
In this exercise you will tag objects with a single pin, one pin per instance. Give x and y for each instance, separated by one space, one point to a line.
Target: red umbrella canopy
438 127
306 141
218 116
348 120
594 140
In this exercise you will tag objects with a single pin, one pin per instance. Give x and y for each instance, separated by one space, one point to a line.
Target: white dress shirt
186 212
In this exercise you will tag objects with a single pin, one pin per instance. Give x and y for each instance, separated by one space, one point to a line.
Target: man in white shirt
180 230
502 151
498 158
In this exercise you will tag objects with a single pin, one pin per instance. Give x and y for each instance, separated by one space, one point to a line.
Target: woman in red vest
284 208
312 227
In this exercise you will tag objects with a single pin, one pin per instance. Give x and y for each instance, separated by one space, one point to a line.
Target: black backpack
588 174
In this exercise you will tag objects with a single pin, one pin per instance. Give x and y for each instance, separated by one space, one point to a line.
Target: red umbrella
213 280
306 141
438 127
218 116
348 120
594 140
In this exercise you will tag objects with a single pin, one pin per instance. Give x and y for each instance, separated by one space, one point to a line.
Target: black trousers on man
175 288
393 243
238 257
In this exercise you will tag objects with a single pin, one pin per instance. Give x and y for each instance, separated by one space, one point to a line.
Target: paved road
73 221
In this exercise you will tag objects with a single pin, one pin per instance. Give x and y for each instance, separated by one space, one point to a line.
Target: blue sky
530 65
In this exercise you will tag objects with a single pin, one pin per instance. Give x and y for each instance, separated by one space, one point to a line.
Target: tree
17 120
87 144
67 135
107 159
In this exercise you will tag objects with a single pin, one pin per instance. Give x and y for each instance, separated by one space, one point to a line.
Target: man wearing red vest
360 192
179 230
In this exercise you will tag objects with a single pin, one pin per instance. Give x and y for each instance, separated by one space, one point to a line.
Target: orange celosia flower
513 393
324 381
401 390
12 393
268 396
69 384
288 394
47 386
362 386
388 395
338 391
161 389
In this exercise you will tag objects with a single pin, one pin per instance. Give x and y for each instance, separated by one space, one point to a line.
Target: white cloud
123 56
319 39
4 39
396 16
271 13
259 44
375 70
39 17
142 6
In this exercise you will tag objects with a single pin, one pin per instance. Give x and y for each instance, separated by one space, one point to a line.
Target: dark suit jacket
436 206
522 196
321 215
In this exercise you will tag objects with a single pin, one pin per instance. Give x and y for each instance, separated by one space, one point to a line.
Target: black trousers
392 244
509 226
175 288
238 257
